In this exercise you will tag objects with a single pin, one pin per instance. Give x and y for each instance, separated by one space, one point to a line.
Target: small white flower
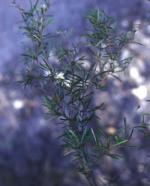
59 76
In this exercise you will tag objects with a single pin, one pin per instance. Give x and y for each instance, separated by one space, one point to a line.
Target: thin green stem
88 171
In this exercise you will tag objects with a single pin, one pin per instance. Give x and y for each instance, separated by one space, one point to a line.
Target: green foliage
74 85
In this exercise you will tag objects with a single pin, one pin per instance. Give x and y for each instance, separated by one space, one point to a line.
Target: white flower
59 76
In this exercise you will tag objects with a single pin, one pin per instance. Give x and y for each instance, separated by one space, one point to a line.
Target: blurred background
30 154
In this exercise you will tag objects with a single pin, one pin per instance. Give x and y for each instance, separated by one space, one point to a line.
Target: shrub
78 72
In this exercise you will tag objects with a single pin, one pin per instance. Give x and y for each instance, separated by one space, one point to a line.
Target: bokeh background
30 154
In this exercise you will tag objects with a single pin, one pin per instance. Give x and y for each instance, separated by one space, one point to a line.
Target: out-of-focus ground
29 153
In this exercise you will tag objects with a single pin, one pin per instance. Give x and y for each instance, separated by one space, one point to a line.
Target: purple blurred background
29 151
